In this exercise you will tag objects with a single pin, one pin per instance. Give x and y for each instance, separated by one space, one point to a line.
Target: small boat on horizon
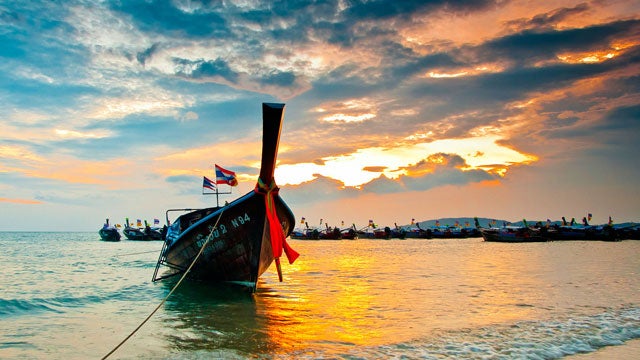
109 232
235 243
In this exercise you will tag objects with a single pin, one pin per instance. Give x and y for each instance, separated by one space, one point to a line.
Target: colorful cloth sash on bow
278 238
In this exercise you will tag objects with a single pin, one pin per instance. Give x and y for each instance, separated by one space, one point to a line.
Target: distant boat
349 233
512 234
448 232
418 233
330 233
108 232
585 231
398 232
629 232
237 242
145 234
306 233
375 233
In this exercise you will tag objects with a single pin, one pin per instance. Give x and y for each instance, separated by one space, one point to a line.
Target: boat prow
239 241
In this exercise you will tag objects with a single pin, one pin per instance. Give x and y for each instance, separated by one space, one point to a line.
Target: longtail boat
147 233
512 234
109 233
237 242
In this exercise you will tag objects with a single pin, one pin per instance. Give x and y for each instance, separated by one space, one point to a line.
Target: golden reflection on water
345 294
336 310
371 293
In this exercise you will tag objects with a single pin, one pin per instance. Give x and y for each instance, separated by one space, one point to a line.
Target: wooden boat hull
308 234
238 243
140 235
606 233
234 243
498 235
109 234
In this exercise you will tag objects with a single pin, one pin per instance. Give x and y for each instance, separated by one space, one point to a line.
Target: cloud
201 69
142 56
322 189
21 201
436 171
164 17
547 20
381 95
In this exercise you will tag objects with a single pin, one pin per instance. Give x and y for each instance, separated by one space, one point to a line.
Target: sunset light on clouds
394 109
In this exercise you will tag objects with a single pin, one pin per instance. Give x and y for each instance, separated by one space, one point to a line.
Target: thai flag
224 176
208 184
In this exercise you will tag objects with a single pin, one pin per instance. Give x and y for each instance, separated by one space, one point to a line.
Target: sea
68 295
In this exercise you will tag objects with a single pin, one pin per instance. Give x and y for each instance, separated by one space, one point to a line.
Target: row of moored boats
110 232
507 233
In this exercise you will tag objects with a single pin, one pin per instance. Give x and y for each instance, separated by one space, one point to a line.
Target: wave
523 340
62 304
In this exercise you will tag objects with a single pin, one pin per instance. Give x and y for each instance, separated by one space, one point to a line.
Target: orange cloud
20 201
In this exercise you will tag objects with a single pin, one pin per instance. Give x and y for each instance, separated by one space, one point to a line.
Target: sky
395 110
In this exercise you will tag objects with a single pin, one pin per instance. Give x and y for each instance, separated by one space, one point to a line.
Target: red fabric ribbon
278 238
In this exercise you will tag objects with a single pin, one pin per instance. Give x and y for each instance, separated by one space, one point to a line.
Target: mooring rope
136 253
170 292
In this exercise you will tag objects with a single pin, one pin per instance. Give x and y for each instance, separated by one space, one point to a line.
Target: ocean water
71 296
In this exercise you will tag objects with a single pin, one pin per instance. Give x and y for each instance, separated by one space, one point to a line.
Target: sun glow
365 165
444 75
348 118
587 58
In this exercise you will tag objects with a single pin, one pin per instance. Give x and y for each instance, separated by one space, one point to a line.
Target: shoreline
630 349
